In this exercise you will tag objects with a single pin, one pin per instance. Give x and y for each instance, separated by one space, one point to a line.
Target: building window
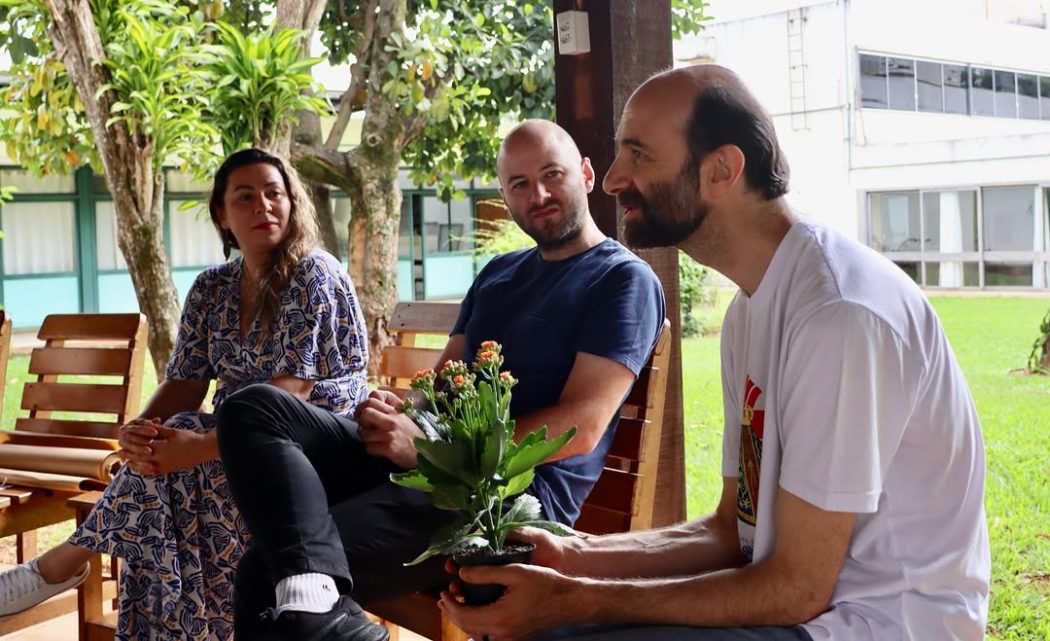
873 81
38 238
991 236
1005 94
109 256
901 73
1009 218
1044 97
895 225
194 241
26 183
930 86
982 97
956 89
1028 96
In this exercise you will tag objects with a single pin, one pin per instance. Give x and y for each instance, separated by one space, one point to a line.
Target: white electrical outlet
574 36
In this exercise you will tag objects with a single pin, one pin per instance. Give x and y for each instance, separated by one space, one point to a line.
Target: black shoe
346 621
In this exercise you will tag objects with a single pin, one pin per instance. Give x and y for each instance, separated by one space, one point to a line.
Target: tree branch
327 166
346 102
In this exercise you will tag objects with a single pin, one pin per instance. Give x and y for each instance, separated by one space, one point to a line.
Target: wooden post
630 40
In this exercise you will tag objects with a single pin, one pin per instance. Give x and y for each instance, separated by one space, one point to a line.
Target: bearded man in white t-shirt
853 466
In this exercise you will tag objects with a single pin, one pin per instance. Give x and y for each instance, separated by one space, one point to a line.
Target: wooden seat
623 498
75 345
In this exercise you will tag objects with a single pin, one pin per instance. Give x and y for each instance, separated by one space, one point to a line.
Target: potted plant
470 464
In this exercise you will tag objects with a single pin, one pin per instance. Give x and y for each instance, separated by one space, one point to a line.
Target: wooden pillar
630 40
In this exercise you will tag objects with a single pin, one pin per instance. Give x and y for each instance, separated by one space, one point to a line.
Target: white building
920 127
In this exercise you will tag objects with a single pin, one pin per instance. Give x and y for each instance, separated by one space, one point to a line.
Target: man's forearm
682 549
760 594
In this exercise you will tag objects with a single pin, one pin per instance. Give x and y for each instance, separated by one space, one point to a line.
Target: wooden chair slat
69 427
74 397
404 362
640 393
18 437
614 490
628 440
596 520
80 360
424 318
90 327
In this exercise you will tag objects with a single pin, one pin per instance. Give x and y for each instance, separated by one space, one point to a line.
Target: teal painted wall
116 294
28 300
405 288
447 275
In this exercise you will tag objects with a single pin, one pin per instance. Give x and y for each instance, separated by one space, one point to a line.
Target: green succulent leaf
516 485
528 455
413 479
451 497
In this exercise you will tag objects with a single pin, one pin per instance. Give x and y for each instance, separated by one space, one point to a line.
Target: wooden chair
111 345
624 496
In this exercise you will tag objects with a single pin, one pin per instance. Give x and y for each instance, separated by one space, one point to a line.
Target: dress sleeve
320 330
625 314
189 358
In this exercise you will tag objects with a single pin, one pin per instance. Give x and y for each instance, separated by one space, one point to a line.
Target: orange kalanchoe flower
489 345
423 373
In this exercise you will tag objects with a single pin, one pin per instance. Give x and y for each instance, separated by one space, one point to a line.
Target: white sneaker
22 587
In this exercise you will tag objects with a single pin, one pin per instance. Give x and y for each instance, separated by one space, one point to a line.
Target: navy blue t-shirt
604 301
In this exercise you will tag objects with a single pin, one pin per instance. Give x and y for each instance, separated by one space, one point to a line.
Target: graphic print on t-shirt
751 424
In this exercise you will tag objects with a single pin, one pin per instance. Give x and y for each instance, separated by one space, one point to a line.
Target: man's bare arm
592 394
792 586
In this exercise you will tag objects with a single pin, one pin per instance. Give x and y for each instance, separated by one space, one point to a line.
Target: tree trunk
308 133
138 192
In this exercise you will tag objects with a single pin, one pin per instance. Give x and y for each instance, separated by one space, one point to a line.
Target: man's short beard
672 211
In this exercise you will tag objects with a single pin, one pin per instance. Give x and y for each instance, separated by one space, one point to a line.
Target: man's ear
721 170
588 174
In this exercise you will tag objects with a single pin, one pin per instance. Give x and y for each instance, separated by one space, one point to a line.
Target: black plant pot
485 593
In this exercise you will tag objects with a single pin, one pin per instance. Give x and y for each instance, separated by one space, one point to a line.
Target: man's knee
253 410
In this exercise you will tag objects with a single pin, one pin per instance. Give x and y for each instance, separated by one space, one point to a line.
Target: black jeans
315 501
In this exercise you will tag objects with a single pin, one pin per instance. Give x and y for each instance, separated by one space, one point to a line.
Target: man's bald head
538 133
715 108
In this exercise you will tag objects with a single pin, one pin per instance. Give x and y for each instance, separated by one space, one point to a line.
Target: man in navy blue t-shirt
577 315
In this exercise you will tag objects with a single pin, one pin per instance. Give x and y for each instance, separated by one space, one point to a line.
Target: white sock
311 592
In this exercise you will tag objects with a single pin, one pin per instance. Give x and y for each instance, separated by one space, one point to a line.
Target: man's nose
616 179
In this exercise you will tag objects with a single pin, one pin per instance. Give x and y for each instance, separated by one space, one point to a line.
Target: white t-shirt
841 388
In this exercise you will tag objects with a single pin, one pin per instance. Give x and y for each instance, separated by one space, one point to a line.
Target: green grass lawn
991 337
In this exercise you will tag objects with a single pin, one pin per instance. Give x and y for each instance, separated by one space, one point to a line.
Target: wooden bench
111 345
624 496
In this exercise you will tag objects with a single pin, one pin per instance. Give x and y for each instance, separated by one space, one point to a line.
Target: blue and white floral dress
180 535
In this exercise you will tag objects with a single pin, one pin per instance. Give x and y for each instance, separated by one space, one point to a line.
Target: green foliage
1040 355
469 462
257 80
694 290
154 60
463 68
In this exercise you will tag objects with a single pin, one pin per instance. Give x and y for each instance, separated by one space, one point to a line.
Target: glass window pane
460 226
1008 274
956 89
435 214
952 274
1005 94
194 241
1044 97
950 221
911 269
928 77
982 102
106 248
38 238
1028 95
27 183
895 221
1009 219
873 81
902 83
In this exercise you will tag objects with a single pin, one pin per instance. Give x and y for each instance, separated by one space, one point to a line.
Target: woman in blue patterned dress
283 313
